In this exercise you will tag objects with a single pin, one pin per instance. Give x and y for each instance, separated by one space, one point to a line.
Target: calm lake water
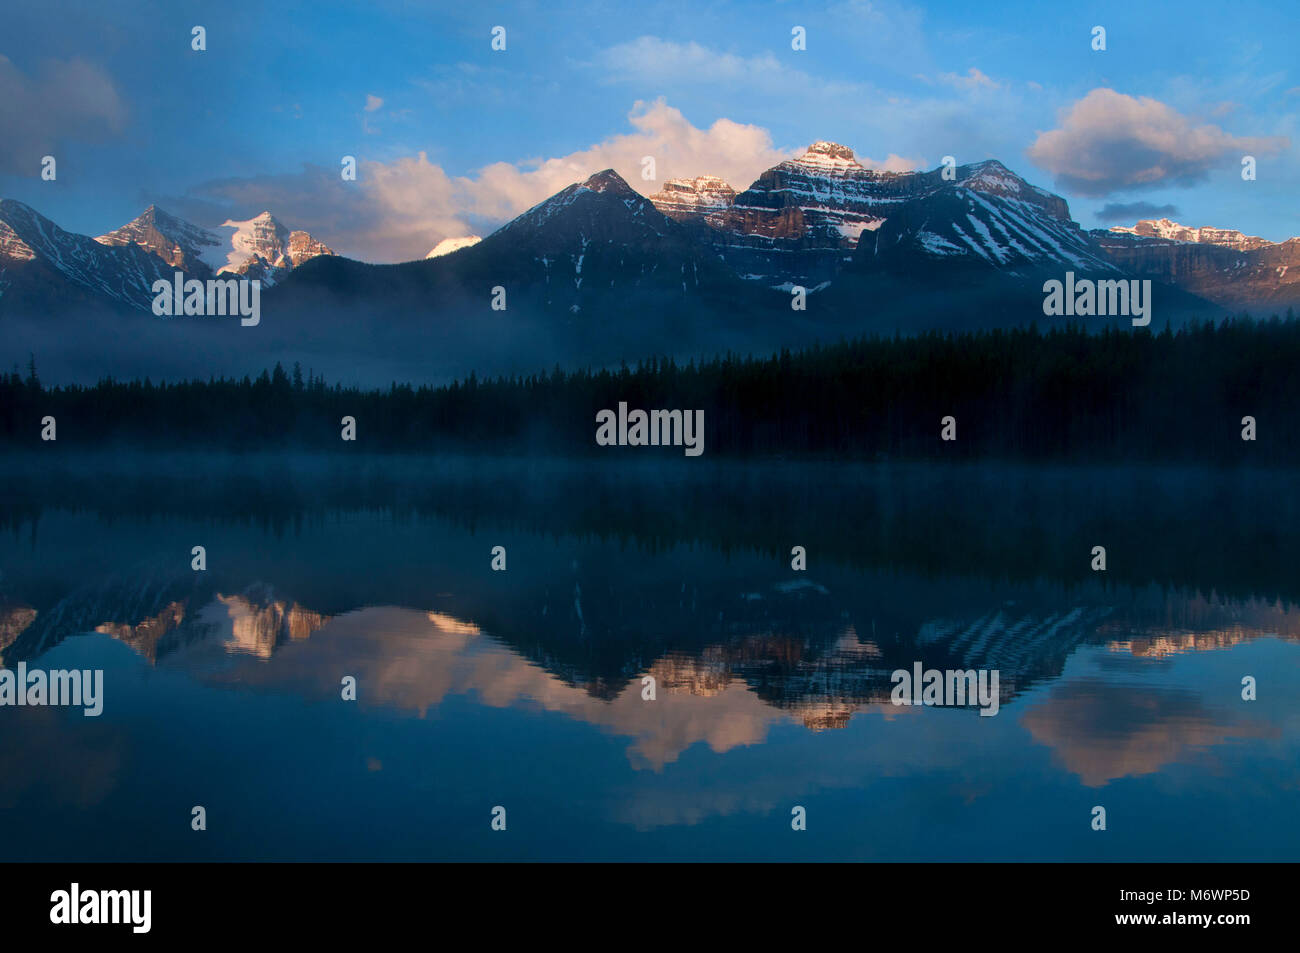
524 688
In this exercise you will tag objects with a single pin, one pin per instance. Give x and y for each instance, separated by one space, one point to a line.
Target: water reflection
772 687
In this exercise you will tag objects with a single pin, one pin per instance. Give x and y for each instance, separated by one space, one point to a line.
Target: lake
648 678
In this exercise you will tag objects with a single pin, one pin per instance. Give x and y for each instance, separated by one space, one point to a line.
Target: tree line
1066 393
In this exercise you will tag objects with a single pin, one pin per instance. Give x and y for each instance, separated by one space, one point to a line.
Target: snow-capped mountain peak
258 237
829 158
449 245
701 192
1206 235
607 180
263 247
123 265
704 198
175 241
602 204
259 247
803 219
992 176
122 272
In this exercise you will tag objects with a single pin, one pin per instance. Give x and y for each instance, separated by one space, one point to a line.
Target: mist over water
524 688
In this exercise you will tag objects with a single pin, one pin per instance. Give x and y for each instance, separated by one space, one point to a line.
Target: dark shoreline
1220 394
1227 530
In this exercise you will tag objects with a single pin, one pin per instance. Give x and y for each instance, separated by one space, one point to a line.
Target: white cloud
653 58
969 114
398 210
669 65
972 79
1109 142
732 150
892 163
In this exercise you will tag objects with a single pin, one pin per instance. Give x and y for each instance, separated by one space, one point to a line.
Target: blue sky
458 137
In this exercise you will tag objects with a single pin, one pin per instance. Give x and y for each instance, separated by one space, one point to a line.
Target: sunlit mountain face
649 672
696 268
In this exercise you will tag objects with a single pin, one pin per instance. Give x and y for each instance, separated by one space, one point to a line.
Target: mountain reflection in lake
524 688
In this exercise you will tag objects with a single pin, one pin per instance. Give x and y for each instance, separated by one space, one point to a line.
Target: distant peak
607 180
702 194
988 168
992 176
148 216
1203 234
173 239
1167 224
700 183
829 156
162 218
262 220
833 149
449 245
1154 226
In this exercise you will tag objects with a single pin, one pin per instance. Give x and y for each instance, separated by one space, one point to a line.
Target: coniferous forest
1066 394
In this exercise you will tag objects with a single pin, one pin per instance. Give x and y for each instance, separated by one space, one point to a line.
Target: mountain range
122 265
600 273
1219 264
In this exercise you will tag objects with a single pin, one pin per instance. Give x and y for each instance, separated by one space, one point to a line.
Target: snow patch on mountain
937 244
853 230
260 247
261 236
1205 235
449 245
263 248
122 273
828 158
703 191
174 240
